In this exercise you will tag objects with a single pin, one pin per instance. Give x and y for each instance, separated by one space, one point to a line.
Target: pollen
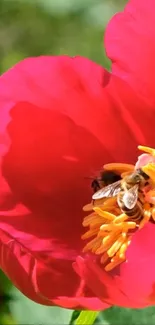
110 228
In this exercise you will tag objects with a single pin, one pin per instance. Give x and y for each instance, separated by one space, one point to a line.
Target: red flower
61 119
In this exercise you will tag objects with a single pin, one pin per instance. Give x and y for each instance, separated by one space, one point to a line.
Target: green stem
86 318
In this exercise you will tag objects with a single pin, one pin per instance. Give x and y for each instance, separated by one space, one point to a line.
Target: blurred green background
35 27
54 27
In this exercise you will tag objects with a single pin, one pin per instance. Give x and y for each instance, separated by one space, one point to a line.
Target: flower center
110 224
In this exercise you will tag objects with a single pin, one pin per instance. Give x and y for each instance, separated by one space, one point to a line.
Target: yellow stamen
146 218
110 201
111 236
106 243
146 206
111 226
88 207
129 225
109 239
96 245
91 244
96 223
123 248
115 247
121 168
153 214
90 233
110 229
104 214
104 258
113 264
105 202
150 196
121 218
149 169
148 150
122 225
102 249
92 217
125 174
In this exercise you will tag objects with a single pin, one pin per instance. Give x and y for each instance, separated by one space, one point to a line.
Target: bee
129 192
107 177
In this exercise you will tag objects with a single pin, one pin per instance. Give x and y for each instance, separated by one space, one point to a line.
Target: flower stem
86 317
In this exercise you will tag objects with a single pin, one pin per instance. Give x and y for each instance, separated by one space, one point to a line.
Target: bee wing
130 197
108 191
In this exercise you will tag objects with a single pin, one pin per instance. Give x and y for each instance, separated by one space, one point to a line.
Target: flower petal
100 282
131 47
143 160
115 287
45 171
139 269
85 92
63 119
83 299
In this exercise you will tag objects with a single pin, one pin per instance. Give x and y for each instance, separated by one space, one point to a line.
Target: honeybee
128 192
106 177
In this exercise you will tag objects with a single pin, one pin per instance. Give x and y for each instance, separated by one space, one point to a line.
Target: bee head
138 177
135 178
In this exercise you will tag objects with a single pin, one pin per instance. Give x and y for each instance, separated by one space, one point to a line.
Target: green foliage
75 315
25 311
121 316
54 27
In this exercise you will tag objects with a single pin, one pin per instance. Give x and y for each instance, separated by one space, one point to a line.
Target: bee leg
95 185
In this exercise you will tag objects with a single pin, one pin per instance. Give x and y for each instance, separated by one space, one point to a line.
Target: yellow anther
149 169
121 168
148 150
104 214
153 214
121 218
115 247
146 218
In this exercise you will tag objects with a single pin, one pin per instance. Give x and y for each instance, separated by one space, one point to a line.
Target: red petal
131 47
80 89
140 268
102 284
130 285
66 122
46 169
78 302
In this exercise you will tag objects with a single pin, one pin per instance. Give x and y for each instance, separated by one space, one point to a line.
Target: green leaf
25 311
121 316
86 317
7 319
75 315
